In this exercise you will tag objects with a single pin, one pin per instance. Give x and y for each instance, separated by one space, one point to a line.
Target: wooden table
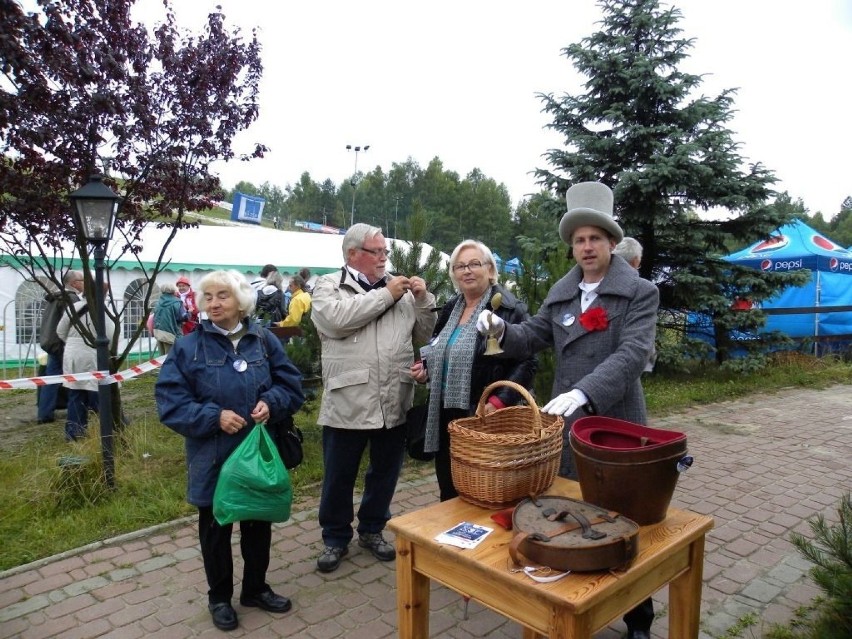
671 552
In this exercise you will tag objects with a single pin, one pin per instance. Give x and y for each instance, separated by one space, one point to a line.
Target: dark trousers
641 617
567 465
443 464
342 450
255 541
80 402
47 395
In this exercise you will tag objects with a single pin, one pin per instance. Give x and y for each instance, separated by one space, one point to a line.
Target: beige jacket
79 357
367 349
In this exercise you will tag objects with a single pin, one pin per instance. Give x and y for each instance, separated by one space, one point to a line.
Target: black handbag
288 440
415 432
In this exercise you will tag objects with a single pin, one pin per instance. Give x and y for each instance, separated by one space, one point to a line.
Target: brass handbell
492 346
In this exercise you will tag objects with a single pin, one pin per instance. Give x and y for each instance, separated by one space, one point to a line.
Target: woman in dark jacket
217 383
454 362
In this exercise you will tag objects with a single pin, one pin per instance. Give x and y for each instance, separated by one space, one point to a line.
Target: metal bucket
627 467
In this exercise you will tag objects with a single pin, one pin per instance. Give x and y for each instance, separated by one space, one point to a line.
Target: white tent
193 252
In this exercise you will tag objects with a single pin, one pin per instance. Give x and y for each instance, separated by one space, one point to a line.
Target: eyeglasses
375 252
473 265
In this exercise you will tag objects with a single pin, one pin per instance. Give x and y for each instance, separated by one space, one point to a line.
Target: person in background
305 274
187 298
270 300
215 386
169 315
366 322
72 292
631 250
600 319
456 367
260 281
79 357
287 294
300 302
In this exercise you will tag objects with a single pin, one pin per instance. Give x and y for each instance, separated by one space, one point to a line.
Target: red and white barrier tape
102 377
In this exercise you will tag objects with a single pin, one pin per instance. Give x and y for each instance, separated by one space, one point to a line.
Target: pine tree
642 128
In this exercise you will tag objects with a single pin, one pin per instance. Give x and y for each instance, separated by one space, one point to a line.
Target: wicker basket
501 458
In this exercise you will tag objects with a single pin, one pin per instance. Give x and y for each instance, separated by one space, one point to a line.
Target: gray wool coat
605 364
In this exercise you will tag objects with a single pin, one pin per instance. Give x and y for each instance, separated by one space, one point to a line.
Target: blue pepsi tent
513 266
822 308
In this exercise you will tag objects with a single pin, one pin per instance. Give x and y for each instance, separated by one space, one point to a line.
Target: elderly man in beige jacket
366 321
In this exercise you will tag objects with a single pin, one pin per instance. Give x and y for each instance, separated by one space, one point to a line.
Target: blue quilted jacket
198 380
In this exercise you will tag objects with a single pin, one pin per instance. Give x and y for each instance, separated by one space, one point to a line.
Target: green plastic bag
253 483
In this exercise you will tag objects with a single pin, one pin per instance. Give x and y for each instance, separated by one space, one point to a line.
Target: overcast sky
458 80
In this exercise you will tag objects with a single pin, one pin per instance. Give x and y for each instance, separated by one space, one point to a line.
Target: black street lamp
354 182
95 207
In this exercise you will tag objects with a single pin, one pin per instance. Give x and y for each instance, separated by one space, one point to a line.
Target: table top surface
490 559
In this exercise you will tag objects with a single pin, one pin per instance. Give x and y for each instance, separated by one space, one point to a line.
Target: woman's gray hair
487 260
275 279
168 288
629 248
233 281
356 236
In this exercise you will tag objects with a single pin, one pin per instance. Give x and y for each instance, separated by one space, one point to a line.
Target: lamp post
95 206
354 182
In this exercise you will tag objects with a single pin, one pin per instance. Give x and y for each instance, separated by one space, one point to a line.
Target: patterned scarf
455 391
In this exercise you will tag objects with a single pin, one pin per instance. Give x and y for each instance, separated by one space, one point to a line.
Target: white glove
496 327
566 403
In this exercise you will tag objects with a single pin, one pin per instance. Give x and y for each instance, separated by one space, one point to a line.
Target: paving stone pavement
763 466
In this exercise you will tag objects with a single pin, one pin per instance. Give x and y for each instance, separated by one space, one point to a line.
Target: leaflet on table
464 535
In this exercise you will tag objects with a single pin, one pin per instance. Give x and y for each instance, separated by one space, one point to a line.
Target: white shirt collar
225 331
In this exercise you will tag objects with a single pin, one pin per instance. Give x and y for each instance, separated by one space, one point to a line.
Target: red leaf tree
86 90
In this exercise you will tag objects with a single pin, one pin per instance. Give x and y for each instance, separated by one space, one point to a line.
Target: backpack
268 306
51 313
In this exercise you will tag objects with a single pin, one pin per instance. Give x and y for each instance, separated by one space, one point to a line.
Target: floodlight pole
354 180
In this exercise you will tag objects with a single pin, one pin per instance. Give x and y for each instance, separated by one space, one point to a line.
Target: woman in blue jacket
216 384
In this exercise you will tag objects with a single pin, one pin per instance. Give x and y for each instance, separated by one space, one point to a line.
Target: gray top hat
589 204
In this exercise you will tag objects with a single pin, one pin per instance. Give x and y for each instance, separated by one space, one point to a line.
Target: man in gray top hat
600 319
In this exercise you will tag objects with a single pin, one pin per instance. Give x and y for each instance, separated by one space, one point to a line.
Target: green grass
705 384
219 213
45 510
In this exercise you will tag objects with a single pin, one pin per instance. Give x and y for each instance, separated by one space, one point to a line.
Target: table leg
412 593
685 595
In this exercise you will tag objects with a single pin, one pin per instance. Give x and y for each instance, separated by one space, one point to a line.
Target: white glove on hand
566 403
497 324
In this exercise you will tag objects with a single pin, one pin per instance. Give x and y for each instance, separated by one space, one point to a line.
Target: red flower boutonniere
594 319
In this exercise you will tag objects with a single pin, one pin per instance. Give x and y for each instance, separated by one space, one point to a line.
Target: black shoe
268 601
224 616
331 556
46 420
377 545
638 634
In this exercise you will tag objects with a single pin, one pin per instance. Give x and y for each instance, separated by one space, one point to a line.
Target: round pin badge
240 366
568 319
